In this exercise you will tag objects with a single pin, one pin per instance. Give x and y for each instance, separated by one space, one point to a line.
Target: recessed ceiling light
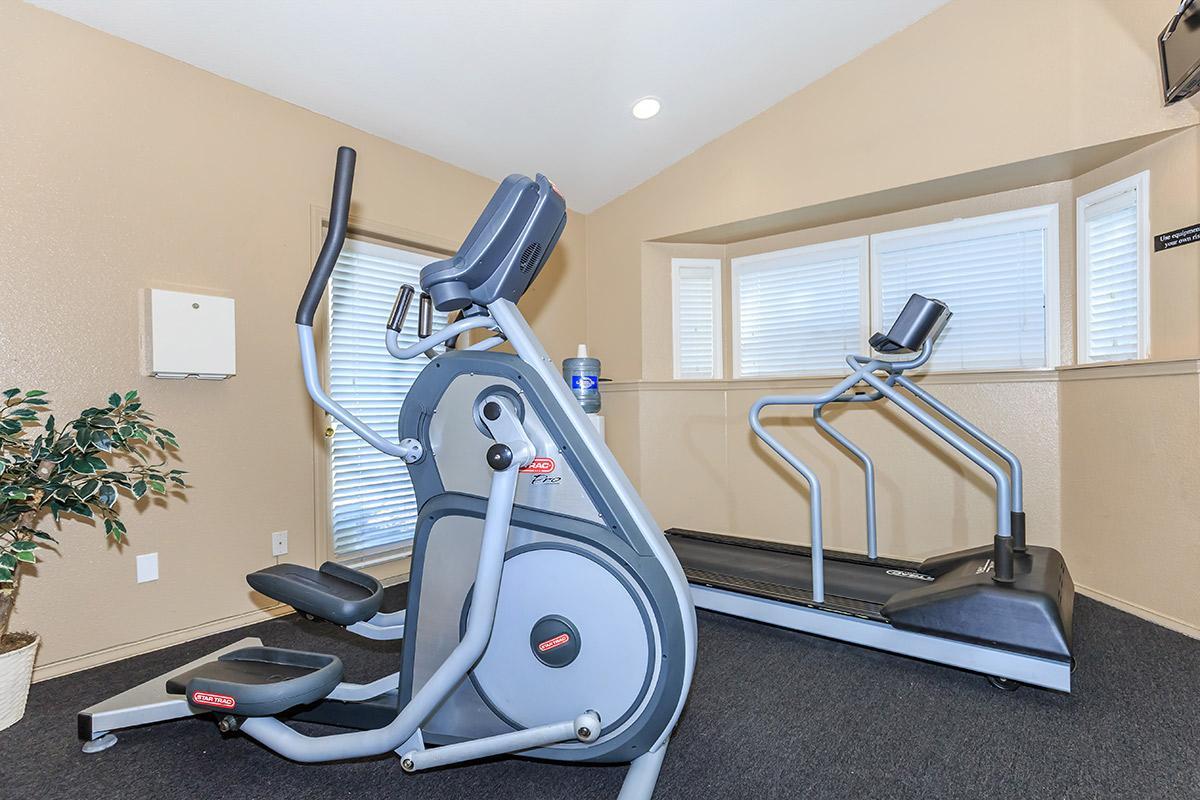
646 108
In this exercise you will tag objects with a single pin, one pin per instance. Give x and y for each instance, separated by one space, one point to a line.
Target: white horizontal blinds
372 506
696 306
1110 281
991 274
798 311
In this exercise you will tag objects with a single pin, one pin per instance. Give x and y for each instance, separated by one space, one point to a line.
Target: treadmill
1002 609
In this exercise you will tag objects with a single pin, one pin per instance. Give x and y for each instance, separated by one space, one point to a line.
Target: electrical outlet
147 567
279 543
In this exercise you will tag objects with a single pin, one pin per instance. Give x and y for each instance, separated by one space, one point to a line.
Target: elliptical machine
1003 609
546 616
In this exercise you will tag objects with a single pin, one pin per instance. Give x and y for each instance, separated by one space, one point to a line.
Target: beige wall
1041 78
1131 454
123 169
927 104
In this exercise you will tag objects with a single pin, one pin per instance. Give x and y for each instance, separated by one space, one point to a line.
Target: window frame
715 266
819 251
1139 184
1002 222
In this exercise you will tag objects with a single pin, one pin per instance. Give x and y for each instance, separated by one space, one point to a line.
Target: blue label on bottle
583 382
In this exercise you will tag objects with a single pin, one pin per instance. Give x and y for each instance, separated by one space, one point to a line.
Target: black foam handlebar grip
400 308
425 316
339 215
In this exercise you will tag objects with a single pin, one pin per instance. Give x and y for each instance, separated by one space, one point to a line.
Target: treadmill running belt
851 587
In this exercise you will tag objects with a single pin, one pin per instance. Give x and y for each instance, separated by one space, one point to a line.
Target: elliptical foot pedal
339 594
258 681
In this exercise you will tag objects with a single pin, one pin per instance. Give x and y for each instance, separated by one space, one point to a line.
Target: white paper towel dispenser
189 335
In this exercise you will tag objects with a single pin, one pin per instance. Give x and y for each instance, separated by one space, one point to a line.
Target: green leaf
89 488
6 575
35 393
97 463
44 535
36 402
139 489
132 393
82 510
114 399
23 546
9 394
83 437
158 486
50 424
133 406
81 466
27 557
8 561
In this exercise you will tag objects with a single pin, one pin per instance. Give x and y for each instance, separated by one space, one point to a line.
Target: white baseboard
1177 625
66 666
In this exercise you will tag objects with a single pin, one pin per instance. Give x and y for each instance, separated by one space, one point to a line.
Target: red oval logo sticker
557 641
540 466
214 700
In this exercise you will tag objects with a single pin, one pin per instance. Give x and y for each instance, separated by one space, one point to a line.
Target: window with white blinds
993 273
1112 233
799 311
372 506
696 317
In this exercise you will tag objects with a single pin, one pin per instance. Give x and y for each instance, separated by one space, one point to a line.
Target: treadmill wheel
1004 684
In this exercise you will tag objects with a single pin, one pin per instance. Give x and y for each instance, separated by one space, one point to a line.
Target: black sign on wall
1188 235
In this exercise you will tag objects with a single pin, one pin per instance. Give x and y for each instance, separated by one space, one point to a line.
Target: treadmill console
921 320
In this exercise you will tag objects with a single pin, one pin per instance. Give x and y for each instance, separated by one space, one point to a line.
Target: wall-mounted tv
1179 53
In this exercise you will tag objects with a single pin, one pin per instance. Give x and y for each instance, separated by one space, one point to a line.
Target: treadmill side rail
1032 670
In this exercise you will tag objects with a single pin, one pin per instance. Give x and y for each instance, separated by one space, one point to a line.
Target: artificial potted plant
74 470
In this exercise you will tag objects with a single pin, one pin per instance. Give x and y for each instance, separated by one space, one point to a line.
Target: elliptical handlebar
339 214
339 220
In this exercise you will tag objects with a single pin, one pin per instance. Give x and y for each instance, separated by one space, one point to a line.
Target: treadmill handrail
864 370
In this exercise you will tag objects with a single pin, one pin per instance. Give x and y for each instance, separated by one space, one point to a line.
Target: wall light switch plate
147 567
279 543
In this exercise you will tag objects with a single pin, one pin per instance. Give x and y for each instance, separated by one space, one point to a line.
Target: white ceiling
501 86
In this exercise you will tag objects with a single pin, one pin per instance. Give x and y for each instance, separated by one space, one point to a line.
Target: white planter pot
16 673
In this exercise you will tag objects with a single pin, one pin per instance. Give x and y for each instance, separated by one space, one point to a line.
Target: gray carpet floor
772 714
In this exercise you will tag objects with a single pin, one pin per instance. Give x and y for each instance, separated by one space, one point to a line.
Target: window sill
806 382
1071 372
